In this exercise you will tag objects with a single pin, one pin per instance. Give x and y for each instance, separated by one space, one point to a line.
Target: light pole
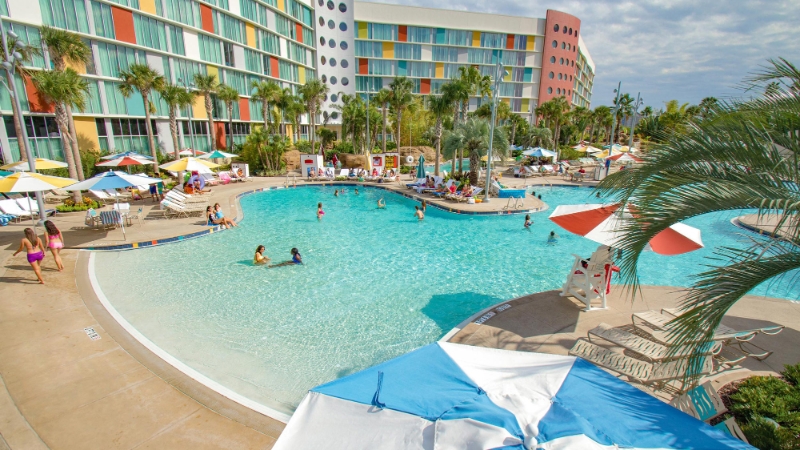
639 101
618 91
8 64
499 73
189 116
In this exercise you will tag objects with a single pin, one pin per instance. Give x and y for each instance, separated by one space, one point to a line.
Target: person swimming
336 193
528 221
381 203
297 259
320 212
259 259
540 196
552 238
597 195
356 191
419 213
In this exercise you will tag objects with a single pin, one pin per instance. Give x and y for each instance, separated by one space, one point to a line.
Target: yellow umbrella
40 164
33 182
189 164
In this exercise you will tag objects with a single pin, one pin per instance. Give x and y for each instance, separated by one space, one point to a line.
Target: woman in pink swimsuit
54 241
33 246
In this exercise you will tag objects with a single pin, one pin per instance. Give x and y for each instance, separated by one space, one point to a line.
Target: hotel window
493 40
103 20
270 43
268 66
210 49
236 80
221 3
114 58
227 51
297 53
451 70
520 42
518 74
382 67
186 12
511 58
421 69
150 32
229 27
406 51
68 14
458 37
254 11
252 61
31 37
92 99
371 49
510 90
287 71
421 35
516 104
176 39
478 56
284 26
186 70
369 84
446 54
382 32
308 37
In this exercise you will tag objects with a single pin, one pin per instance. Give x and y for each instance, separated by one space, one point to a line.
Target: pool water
375 283
445 166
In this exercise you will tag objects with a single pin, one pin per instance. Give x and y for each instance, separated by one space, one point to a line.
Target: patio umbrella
189 164
449 396
190 152
127 160
40 163
485 158
421 166
604 224
112 180
120 155
216 154
622 157
4 173
32 182
540 153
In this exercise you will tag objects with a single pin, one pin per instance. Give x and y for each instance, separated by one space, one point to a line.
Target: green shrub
340 179
407 169
70 206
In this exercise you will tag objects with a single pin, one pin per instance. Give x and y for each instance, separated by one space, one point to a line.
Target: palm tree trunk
438 144
23 154
591 133
173 129
464 108
312 120
63 128
473 167
150 140
385 118
230 125
211 131
399 123
73 140
513 132
265 114
461 162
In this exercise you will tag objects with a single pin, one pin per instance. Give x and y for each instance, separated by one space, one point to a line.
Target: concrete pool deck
59 388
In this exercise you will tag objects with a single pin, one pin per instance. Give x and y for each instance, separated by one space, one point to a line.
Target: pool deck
61 389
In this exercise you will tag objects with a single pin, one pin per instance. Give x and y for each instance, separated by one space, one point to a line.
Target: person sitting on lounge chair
467 191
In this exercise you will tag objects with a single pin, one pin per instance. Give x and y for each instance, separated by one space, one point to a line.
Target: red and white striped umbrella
604 224
126 161
622 157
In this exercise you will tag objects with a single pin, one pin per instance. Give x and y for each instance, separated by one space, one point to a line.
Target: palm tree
538 137
256 142
439 106
516 122
382 98
65 47
744 159
294 109
207 85
458 92
313 94
624 108
477 85
63 88
602 120
554 113
581 117
401 88
473 136
283 101
176 97
143 78
265 92
229 96
27 53
326 136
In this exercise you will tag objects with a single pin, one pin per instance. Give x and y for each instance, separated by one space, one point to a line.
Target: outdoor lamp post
614 110
639 102
499 74
9 56
189 116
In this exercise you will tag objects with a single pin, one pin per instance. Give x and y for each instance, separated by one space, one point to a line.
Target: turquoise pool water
375 284
446 166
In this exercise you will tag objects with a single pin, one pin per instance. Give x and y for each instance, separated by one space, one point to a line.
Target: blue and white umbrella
449 396
540 152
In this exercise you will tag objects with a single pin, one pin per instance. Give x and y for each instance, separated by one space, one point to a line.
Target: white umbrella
126 161
190 152
32 182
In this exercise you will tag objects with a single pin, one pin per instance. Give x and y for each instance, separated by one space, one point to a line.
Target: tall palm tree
581 117
283 101
602 120
229 96
744 159
515 122
176 98
145 79
458 92
401 88
63 88
382 99
65 47
295 109
477 85
27 53
624 108
439 106
538 137
207 85
474 136
554 112
265 92
313 94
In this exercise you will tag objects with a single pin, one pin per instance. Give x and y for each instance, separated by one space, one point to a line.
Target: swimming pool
376 283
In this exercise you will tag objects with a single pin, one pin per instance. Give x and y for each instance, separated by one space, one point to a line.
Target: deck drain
91 333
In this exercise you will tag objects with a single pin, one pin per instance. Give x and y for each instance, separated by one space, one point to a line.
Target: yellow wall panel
301 74
86 130
281 5
388 50
212 70
439 70
531 42
148 6
251 35
508 77
524 107
363 31
199 108
290 132
476 38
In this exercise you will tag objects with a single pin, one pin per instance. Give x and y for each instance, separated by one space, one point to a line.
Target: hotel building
354 47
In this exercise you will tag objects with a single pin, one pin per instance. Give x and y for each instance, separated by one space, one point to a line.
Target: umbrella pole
32 219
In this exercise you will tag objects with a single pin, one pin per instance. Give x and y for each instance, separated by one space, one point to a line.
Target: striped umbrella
39 163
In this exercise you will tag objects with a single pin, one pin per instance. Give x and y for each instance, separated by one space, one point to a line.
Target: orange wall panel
403 33
425 86
273 67
123 25
207 18
510 41
363 66
299 31
221 143
36 101
244 109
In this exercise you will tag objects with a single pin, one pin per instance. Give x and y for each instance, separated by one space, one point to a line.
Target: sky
667 49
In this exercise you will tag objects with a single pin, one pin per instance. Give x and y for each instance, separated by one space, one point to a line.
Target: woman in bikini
320 212
54 241
259 259
33 246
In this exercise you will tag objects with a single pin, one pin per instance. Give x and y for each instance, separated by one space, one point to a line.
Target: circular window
565 30
570 78
334 98
333 80
321 2
321 21
559 76
332 43
555 28
555 44
344 64
570 31
563 45
576 33
322 60
334 115
553 59
549 90
342 7
325 98
561 61
343 26
331 24
345 81
551 75
330 5
325 114
332 62
573 63
322 41
569 47
343 45
324 79
558 91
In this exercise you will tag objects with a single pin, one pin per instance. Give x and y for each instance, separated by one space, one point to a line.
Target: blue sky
667 49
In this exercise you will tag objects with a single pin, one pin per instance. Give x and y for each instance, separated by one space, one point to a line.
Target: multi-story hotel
353 47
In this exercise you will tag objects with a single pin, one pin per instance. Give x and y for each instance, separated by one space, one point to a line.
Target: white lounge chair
652 351
702 403
11 208
588 279
33 208
102 196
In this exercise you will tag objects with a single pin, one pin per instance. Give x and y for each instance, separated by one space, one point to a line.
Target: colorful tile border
738 223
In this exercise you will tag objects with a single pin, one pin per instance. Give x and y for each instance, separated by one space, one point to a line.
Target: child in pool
528 221
320 212
35 250
259 259
420 215
297 259
553 238
336 193
381 203
356 191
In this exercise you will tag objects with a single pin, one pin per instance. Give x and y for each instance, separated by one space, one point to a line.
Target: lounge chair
33 207
11 208
92 219
177 209
437 181
343 173
56 196
180 197
731 427
418 183
589 279
656 375
649 350
209 179
702 402
102 197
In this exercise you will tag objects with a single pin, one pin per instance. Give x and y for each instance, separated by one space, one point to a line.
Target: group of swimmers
33 246
260 260
551 239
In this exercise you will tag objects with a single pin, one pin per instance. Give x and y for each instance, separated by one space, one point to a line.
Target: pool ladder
518 204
